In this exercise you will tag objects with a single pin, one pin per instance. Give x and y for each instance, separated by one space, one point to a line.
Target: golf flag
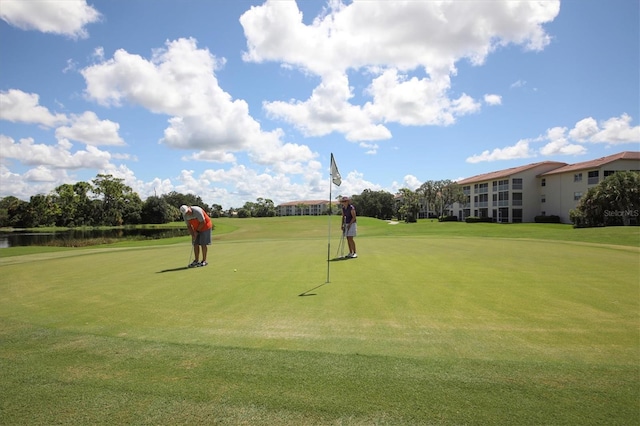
335 174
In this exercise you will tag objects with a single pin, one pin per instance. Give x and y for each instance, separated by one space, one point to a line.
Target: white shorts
351 230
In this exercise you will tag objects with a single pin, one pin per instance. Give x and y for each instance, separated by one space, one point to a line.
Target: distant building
548 188
562 188
510 195
513 195
303 208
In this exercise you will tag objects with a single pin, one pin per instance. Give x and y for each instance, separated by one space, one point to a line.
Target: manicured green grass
434 323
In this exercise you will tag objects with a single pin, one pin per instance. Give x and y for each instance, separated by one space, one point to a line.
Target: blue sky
235 100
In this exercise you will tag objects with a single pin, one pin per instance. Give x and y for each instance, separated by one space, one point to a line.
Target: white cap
183 209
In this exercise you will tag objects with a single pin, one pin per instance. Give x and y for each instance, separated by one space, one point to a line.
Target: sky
235 100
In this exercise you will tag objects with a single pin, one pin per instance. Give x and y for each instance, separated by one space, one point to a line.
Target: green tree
12 211
156 210
84 210
118 202
428 192
438 196
74 204
216 210
177 199
409 206
378 204
614 201
131 208
42 210
265 208
450 193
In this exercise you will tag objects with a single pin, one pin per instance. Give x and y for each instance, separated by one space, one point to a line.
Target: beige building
510 195
303 208
562 188
514 195
539 189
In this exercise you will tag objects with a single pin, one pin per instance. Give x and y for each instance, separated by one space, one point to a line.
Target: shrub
547 219
448 219
476 219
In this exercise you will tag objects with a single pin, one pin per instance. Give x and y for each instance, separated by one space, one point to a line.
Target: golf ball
235 270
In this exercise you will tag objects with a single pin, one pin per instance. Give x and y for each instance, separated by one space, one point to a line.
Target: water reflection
18 238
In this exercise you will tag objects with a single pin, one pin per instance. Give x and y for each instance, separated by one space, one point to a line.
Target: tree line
105 201
108 201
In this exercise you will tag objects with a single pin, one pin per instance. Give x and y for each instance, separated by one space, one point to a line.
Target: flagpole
336 179
329 237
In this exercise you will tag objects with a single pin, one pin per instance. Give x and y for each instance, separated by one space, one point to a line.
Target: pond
65 238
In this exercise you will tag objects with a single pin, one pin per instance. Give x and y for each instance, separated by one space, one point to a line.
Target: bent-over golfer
349 226
199 226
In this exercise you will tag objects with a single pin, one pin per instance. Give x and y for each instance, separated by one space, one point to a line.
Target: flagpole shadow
308 292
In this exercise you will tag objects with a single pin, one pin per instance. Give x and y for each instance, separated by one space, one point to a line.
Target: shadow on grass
173 270
337 259
308 292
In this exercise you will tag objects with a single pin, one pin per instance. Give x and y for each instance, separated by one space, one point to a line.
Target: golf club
190 253
341 245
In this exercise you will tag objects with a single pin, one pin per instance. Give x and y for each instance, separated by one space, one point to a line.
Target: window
543 199
516 215
577 177
609 172
503 198
593 178
544 182
577 196
516 199
517 183
503 185
481 188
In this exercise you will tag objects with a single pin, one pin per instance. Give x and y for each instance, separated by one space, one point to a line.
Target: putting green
474 298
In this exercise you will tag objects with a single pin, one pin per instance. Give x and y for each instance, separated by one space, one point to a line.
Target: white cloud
68 17
89 129
561 141
364 37
328 110
18 106
517 151
55 156
39 180
179 80
411 182
559 144
493 99
614 131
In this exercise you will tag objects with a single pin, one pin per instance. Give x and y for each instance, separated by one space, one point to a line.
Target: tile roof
305 202
506 172
594 164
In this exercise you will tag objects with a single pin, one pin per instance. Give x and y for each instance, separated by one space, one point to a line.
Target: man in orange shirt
199 225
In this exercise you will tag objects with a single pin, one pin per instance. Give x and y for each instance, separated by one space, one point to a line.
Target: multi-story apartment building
518 194
509 195
562 188
539 189
303 208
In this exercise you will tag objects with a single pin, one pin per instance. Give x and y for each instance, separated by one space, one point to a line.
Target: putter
341 245
190 253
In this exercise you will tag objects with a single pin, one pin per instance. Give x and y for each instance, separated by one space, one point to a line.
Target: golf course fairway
433 323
